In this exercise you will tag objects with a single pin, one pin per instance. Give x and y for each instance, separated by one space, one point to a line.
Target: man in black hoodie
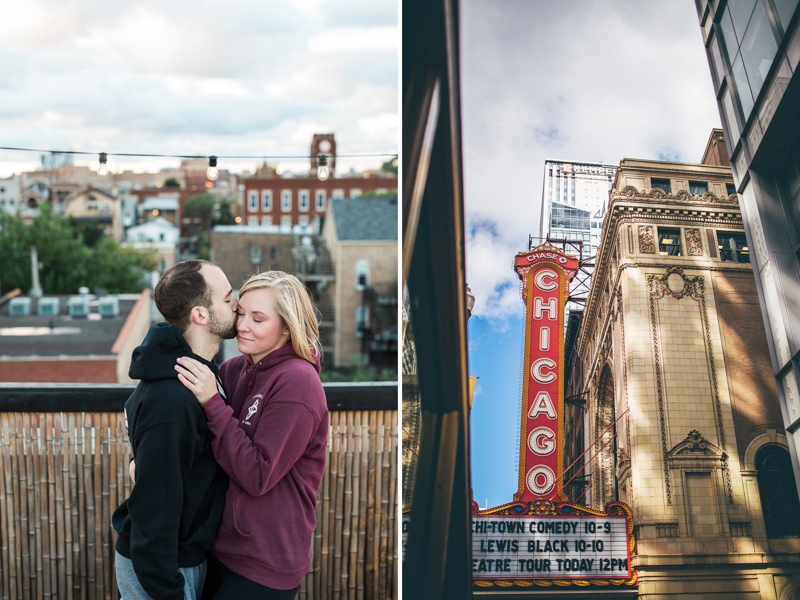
171 518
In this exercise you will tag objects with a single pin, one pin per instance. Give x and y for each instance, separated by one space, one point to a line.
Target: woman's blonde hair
293 304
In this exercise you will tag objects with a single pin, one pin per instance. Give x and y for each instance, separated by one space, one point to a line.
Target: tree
171 182
390 166
201 206
67 262
89 231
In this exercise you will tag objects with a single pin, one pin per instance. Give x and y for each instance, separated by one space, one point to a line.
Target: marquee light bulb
322 169
212 173
102 170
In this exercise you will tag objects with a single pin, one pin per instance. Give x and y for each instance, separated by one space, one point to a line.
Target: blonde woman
270 436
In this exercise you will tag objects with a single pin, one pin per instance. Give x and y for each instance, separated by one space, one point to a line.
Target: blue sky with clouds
198 76
575 80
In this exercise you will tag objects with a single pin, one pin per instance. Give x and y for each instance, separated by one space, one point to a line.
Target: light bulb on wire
102 170
212 173
322 169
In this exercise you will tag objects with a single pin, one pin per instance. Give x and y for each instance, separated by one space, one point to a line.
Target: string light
188 156
212 173
322 169
102 170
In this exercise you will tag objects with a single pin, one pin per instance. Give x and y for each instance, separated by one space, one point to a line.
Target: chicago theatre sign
540 539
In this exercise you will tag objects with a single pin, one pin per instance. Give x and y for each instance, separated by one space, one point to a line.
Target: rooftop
62 335
363 218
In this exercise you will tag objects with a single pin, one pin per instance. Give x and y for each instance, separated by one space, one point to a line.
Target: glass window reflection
727 33
742 86
758 48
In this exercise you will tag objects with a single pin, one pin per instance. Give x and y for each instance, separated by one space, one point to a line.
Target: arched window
779 501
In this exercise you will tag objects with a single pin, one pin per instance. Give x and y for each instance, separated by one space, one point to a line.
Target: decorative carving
773 99
740 529
629 191
694 245
623 465
741 164
667 530
659 388
754 136
647 242
660 285
696 445
657 193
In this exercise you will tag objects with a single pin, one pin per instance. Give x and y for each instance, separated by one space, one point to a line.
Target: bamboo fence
63 474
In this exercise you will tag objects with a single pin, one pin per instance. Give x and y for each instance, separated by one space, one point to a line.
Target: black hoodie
171 518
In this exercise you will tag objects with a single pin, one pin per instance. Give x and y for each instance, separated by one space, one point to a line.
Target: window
338 194
303 199
320 199
252 221
266 200
733 247
362 274
273 253
303 221
697 188
730 189
362 320
286 221
252 200
661 184
779 503
669 242
92 207
567 217
255 255
286 200
160 237
751 47
265 221
355 193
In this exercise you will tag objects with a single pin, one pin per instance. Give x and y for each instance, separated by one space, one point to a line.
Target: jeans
131 589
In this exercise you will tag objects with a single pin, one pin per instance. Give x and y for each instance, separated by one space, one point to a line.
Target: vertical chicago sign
545 272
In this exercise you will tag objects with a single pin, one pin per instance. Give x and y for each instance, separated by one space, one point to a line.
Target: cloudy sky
590 80
239 77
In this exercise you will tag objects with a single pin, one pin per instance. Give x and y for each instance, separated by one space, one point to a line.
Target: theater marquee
546 543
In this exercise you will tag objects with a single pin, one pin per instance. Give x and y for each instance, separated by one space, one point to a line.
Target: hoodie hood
157 356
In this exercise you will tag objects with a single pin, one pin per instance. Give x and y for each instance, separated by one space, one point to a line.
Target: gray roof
62 335
365 218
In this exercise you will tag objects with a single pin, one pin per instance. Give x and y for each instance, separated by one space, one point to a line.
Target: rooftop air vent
49 307
78 307
109 306
19 307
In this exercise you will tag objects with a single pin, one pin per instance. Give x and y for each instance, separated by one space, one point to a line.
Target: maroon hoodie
272 439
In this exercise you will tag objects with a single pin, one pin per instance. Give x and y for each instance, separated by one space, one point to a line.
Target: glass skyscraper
574 201
753 49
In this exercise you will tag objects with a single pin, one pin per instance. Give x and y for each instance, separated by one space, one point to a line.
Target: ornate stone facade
678 382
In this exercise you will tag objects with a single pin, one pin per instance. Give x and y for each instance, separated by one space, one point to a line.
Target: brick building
242 251
59 348
671 359
303 200
361 236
